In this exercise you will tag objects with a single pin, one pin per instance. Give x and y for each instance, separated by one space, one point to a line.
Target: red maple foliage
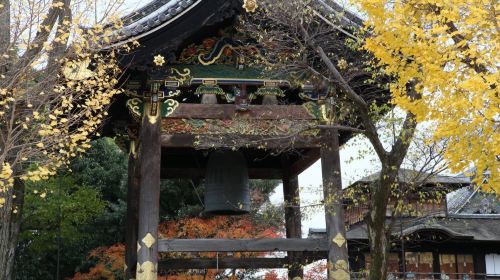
110 260
110 265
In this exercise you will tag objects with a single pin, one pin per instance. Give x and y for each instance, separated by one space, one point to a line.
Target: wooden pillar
293 218
149 199
436 265
334 213
132 215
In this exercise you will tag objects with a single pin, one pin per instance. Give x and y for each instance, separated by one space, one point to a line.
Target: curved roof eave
152 18
423 227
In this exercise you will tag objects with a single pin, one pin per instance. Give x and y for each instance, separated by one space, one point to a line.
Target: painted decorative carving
250 5
219 50
159 60
239 126
136 107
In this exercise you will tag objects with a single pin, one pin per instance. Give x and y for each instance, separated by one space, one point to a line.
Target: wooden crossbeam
223 263
243 245
228 262
229 111
190 173
305 161
242 141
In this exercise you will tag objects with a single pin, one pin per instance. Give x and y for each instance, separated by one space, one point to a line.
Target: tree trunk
5 27
10 224
378 229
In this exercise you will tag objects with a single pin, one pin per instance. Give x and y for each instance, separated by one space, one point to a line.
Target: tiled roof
478 229
409 176
457 199
159 12
154 14
472 201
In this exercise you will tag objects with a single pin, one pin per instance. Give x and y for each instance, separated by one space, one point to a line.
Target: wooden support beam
223 263
149 199
229 111
132 213
238 141
243 245
308 159
293 219
334 211
228 262
253 173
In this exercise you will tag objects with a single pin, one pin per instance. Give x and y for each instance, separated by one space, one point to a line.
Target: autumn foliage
110 263
449 50
110 260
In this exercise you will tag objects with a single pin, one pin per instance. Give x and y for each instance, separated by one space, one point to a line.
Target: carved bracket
136 107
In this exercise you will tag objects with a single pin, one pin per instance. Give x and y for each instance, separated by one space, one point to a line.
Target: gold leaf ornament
339 239
148 240
77 70
159 60
250 5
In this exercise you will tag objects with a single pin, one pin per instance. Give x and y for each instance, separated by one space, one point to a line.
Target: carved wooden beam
229 111
238 141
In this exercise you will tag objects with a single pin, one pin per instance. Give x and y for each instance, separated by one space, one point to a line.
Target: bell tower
200 106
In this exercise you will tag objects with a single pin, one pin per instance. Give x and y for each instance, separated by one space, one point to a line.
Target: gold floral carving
138 246
159 60
250 5
148 240
146 271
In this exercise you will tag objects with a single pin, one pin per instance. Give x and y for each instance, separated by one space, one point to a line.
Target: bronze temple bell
226 184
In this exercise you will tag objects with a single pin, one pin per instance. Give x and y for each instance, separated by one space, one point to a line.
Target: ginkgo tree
436 60
55 85
450 50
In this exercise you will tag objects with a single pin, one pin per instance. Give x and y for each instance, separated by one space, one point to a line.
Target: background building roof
411 176
471 228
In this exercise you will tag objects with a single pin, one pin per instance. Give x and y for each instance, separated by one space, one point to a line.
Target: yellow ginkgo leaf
77 70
